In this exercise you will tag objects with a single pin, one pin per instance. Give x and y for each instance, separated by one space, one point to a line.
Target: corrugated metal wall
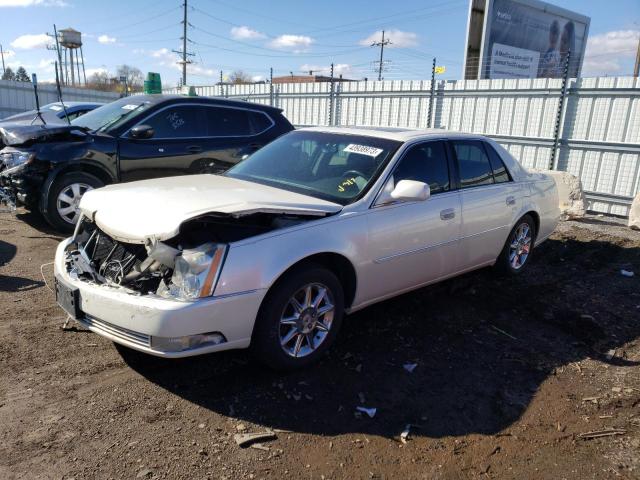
17 97
599 133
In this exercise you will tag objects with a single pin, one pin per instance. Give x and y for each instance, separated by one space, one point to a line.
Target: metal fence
598 134
17 97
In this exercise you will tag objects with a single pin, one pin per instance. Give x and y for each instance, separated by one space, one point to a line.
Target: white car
272 254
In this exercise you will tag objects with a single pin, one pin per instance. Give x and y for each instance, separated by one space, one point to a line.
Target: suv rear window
227 122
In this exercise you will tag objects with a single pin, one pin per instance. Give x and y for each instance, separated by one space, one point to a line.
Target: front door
178 143
414 243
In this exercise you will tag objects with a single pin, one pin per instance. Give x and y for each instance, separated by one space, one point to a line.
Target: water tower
71 42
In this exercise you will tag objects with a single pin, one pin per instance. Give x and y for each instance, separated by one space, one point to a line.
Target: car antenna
34 80
66 115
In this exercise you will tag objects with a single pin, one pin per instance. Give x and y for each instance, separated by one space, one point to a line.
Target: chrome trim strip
424 249
119 332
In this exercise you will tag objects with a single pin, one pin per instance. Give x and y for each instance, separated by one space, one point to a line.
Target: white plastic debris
369 411
626 273
410 367
405 433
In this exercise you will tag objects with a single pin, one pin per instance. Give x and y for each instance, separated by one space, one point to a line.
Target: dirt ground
511 376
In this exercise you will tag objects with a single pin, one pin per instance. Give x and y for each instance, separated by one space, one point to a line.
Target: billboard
523 39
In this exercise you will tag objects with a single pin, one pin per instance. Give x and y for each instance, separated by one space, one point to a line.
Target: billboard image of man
550 62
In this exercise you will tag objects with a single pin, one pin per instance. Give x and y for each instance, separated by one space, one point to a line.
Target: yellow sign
440 69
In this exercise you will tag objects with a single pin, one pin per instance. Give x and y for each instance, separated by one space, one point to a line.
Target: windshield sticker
363 150
130 107
55 108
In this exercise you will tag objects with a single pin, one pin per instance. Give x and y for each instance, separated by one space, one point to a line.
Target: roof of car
393 133
160 98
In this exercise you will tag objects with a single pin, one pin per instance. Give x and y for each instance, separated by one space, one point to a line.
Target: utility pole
636 70
381 44
4 71
431 94
184 52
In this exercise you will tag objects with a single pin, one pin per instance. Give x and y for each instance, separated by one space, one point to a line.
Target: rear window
227 122
500 172
473 163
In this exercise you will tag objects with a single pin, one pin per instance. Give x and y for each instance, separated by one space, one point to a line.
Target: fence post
221 85
337 121
431 94
331 97
556 131
271 86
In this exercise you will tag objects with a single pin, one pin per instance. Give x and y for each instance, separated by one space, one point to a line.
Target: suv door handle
511 201
447 214
194 149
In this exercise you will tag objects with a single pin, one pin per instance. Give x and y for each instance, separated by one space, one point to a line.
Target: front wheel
64 199
516 254
299 319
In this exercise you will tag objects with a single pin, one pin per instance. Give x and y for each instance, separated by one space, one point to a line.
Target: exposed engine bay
184 267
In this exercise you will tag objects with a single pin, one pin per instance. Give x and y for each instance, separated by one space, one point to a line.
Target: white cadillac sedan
272 254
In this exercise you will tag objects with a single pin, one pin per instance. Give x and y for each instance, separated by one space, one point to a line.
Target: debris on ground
602 433
369 411
410 367
626 273
405 433
246 439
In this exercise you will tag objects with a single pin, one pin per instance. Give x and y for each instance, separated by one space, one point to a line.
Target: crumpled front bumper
137 320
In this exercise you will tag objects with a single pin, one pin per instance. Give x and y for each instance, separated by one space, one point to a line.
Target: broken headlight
14 160
195 273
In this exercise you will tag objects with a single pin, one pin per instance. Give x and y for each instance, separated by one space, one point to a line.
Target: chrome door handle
511 201
447 214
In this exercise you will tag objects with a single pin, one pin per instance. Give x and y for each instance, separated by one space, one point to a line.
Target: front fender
259 264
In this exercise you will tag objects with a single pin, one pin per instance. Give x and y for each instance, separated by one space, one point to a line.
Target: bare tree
135 78
239 77
101 81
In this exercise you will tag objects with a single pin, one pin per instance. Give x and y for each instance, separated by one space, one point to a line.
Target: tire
268 342
72 185
516 254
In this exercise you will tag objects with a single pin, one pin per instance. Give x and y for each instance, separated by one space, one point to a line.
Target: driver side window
426 163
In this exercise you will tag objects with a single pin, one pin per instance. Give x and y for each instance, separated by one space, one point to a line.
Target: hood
136 211
14 134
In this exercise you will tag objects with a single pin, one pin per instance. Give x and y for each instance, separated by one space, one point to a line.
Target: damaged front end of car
186 267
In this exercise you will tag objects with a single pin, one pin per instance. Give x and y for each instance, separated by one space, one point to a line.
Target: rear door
413 243
490 199
179 141
232 135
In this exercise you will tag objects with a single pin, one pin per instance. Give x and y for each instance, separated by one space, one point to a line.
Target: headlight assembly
195 273
14 160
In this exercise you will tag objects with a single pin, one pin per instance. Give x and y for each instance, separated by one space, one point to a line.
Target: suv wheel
299 319
64 199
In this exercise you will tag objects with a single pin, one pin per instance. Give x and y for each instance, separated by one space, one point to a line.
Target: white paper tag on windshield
130 107
363 150
55 108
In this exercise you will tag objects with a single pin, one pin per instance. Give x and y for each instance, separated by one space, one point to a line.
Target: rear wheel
64 199
516 254
299 318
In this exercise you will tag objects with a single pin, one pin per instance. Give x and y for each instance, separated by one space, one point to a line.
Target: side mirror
141 132
411 191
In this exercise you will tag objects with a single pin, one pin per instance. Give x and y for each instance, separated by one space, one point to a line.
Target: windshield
332 166
112 114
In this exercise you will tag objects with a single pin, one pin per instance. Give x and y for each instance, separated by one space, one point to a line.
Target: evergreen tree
22 75
8 74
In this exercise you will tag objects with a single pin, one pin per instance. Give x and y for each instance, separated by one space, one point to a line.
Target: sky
290 36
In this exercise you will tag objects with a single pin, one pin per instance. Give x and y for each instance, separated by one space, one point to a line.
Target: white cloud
106 39
343 69
398 38
606 51
29 42
295 43
258 78
32 3
245 33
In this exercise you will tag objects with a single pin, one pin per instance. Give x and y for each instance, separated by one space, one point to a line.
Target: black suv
134 138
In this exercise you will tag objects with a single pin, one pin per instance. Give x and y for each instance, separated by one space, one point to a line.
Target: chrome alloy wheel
520 246
306 320
68 201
